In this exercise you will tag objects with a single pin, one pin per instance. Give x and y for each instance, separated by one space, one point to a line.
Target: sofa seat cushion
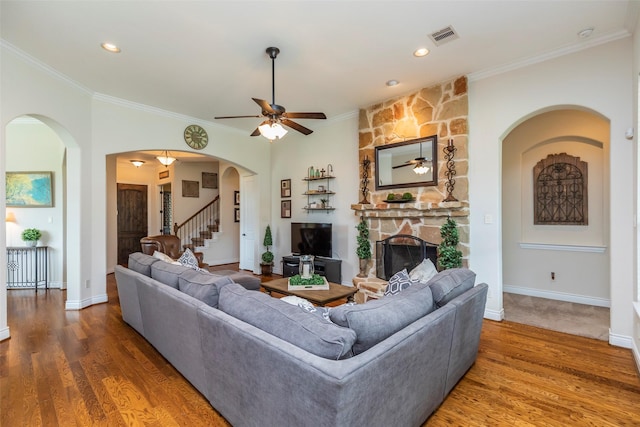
287 322
167 273
202 286
451 283
141 263
378 319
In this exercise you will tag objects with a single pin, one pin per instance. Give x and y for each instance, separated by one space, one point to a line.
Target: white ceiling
207 58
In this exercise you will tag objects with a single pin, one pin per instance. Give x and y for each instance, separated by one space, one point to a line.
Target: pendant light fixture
166 160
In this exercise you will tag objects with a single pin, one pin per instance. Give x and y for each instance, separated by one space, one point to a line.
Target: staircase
199 226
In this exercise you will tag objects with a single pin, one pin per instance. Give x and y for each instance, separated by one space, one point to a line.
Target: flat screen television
310 238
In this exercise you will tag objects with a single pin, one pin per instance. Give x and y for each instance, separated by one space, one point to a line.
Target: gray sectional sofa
263 362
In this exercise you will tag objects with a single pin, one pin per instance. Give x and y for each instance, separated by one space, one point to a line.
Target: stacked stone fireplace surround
440 110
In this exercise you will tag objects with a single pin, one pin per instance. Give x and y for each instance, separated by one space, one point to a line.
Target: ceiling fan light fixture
166 160
421 168
137 163
272 131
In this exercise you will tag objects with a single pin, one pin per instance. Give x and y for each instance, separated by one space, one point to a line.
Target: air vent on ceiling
443 36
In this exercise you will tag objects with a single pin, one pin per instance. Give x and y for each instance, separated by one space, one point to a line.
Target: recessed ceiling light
110 47
392 82
423 51
585 33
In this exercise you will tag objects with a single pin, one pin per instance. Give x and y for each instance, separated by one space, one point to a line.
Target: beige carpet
576 319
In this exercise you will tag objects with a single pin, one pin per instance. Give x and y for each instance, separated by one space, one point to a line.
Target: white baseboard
5 333
497 315
620 340
636 354
559 296
223 261
80 304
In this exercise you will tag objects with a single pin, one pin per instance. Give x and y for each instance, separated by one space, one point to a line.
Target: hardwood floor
89 368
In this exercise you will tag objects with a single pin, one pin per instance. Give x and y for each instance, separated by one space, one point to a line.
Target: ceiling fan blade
266 107
255 132
403 165
235 117
304 115
296 126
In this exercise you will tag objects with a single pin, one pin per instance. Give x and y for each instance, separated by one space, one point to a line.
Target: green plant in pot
364 246
448 254
31 236
267 256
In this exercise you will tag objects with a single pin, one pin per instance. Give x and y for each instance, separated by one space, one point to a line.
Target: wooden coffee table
320 297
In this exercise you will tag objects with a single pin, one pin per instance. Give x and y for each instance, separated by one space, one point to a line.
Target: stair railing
199 226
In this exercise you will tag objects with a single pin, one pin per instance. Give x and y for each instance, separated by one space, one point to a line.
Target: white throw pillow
164 257
423 271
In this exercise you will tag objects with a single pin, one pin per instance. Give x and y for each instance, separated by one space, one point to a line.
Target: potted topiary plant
267 256
31 236
364 246
448 254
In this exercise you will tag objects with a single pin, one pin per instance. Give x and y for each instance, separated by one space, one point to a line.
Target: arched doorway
556 262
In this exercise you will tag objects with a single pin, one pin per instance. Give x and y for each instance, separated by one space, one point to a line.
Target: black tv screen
311 239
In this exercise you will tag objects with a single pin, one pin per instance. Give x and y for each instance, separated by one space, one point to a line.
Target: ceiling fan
275 114
422 165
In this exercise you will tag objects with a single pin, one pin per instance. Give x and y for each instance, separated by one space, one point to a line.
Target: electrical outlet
87 283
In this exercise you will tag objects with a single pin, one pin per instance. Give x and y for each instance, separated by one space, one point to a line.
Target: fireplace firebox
402 251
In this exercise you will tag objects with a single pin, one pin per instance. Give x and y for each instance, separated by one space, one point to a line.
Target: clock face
196 137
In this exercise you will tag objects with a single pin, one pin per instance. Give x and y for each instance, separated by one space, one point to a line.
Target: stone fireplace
438 110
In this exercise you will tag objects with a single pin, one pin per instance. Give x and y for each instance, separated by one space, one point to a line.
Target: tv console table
330 268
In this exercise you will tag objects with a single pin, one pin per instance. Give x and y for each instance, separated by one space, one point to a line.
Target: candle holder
365 180
306 266
449 152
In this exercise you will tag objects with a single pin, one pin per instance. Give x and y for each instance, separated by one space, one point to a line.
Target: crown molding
5 45
576 47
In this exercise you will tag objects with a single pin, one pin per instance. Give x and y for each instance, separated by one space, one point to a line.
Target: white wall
576 254
334 142
596 79
33 146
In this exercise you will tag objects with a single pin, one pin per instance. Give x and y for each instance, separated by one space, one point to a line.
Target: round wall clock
196 137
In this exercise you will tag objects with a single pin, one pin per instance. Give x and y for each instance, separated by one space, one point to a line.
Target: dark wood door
132 219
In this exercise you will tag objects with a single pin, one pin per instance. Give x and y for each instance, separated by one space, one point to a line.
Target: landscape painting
29 189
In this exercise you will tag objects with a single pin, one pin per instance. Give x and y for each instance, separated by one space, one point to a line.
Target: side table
27 266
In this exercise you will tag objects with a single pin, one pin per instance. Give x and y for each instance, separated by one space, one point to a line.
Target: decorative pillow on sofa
287 322
203 286
164 257
188 259
377 320
141 263
451 283
398 282
423 271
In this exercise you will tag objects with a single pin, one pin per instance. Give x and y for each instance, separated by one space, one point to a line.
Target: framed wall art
285 188
190 188
29 189
285 209
210 180
236 198
163 174
236 214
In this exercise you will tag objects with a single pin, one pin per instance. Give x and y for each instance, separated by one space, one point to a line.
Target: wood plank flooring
89 368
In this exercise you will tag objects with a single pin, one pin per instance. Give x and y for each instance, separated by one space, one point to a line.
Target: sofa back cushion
377 320
141 263
167 273
203 286
287 322
451 283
